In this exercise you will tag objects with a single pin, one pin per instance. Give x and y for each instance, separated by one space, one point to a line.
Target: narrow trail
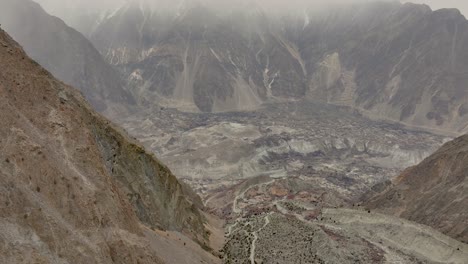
255 234
230 229
208 200
237 210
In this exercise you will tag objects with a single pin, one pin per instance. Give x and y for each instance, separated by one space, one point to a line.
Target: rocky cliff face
74 188
64 52
402 62
433 193
396 61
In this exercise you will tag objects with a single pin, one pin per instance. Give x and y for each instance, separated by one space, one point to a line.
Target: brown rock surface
434 193
73 188
278 191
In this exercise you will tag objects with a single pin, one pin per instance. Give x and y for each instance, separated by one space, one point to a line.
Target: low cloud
63 8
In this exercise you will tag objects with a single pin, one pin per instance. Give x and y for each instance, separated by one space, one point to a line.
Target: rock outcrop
74 188
434 193
65 52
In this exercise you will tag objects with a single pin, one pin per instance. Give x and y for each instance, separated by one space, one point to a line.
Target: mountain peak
449 13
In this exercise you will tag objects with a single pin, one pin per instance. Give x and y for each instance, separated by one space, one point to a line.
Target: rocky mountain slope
69 175
74 188
64 52
395 61
434 193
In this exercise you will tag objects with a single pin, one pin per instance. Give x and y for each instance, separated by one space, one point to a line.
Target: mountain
408 63
65 53
402 62
75 189
433 193
196 60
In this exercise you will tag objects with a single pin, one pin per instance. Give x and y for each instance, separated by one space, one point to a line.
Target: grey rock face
64 52
400 62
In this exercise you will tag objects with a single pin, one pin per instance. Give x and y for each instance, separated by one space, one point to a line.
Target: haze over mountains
66 7
64 52
291 124
399 62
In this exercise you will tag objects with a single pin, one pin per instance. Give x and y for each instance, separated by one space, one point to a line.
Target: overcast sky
57 6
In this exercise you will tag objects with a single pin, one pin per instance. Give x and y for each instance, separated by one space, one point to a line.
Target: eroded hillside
74 188
433 193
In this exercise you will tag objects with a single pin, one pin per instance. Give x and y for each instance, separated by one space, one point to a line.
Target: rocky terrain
294 223
281 181
400 62
433 193
66 53
281 123
341 150
75 189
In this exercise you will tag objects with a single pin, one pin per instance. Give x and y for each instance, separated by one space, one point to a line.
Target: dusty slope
75 189
63 51
434 193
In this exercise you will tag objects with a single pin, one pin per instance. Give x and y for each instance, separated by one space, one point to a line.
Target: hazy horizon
62 7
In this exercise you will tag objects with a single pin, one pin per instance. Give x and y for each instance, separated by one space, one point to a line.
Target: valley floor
275 174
